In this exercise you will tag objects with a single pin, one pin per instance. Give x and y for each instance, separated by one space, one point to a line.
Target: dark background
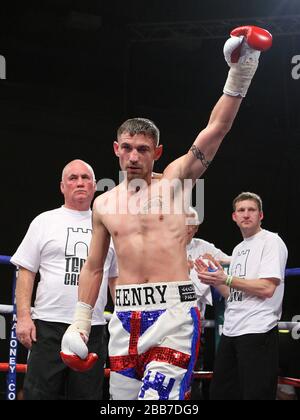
77 69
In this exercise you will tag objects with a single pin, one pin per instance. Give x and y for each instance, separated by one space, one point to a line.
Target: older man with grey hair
56 245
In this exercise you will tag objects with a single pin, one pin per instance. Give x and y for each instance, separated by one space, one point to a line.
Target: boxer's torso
149 238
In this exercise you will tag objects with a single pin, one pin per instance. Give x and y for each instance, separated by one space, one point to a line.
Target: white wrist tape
83 318
239 79
241 73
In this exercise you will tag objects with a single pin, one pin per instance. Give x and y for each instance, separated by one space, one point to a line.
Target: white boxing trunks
154 341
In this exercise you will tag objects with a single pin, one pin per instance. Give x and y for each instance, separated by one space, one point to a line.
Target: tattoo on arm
199 155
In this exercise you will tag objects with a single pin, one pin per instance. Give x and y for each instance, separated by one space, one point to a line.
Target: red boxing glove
242 53
74 351
76 363
257 38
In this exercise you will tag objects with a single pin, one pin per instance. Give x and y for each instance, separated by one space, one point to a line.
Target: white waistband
149 296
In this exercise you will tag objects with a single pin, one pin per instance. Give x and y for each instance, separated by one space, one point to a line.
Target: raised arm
207 143
242 53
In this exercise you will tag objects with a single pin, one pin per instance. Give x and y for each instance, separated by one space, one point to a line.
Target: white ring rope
207 323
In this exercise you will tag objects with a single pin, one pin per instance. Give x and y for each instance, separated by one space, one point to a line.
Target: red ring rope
21 368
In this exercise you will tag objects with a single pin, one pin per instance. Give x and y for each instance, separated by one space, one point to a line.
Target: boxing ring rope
4 260
12 368
207 323
292 272
22 368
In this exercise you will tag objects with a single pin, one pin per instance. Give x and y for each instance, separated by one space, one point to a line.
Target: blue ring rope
5 260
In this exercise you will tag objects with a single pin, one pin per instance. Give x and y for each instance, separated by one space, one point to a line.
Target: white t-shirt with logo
57 245
261 256
195 249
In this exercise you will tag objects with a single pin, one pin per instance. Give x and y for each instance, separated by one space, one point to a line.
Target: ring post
11 378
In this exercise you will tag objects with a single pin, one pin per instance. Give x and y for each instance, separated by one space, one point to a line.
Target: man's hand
212 278
26 331
218 262
242 53
74 351
210 258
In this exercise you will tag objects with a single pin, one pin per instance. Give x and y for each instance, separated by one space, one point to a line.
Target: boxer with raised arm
154 332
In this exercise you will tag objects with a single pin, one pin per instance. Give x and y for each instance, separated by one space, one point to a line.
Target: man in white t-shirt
56 245
246 365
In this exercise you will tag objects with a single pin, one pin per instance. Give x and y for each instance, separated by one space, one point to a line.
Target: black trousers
246 367
48 378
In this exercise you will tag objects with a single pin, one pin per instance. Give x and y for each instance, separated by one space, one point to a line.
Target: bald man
56 245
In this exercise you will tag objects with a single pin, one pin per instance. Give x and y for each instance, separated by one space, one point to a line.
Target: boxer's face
137 155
